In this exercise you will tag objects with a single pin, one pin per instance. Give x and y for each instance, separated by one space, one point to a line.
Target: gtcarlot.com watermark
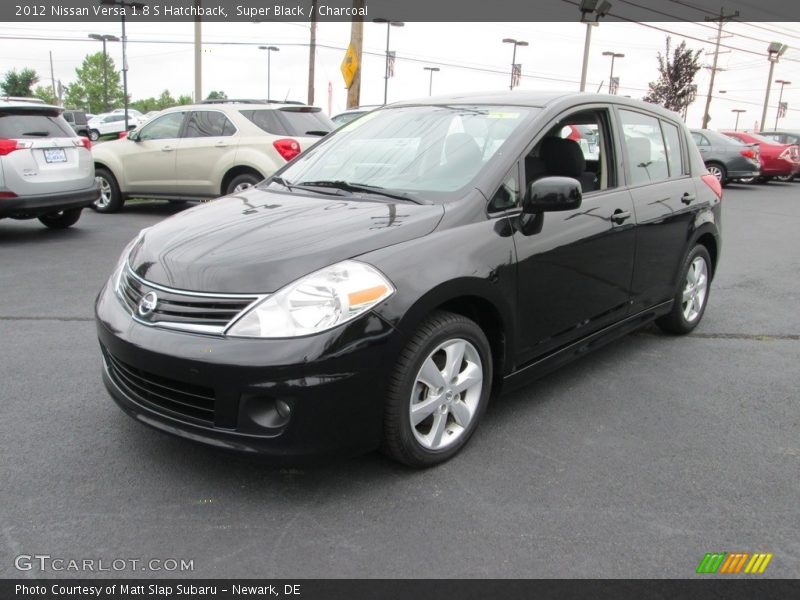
46 563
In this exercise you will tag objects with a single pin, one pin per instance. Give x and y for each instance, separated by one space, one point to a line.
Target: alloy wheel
105 193
695 289
446 394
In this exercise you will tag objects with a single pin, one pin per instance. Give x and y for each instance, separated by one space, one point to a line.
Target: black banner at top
397 10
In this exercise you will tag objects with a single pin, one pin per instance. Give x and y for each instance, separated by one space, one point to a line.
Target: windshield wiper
346 186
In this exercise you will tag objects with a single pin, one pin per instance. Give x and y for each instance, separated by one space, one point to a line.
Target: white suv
203 151
109 123
46 170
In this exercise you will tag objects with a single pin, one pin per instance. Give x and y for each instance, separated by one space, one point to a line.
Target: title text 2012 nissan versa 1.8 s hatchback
378 289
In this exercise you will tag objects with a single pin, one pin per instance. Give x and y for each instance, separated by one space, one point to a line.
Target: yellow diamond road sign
349 66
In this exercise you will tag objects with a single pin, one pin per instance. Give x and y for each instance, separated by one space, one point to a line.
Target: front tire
61 219
691 297
719 172
94 135
438 392
110 199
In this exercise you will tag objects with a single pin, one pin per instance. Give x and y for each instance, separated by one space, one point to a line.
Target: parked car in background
110 124
46 170
351 114
782 136
777 160
203 151
78 120
377 290
727 158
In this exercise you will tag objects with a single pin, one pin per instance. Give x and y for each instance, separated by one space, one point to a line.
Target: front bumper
334 384
28 207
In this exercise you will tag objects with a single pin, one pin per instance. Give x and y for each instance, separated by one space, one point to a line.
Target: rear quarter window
26 124
294 122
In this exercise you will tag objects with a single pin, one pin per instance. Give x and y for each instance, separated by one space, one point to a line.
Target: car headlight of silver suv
315 303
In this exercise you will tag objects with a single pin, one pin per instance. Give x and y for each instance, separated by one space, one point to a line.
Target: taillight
122 135
83 141
8 146
287 148
748 153
790 153
713 183
7 195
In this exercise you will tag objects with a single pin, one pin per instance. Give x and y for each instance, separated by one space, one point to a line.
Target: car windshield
410 149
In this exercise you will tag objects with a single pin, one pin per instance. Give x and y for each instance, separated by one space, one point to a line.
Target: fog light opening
284 410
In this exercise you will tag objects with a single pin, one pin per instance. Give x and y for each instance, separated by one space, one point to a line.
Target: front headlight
116 276
316 302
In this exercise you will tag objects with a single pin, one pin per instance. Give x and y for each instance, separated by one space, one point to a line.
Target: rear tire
242 182
438 392
691 297
61 219
110 199
94 135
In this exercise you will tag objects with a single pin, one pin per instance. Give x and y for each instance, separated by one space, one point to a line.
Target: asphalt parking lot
633 462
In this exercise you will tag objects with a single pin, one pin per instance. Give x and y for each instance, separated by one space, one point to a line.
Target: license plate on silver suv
55 155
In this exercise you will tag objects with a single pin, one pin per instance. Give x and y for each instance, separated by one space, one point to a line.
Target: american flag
390 65
782 108
516 74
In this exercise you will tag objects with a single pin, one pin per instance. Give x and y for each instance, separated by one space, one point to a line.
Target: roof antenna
289 91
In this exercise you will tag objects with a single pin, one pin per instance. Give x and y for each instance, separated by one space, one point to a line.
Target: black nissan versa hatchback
378 289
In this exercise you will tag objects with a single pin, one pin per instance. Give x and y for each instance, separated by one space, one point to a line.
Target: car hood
258 241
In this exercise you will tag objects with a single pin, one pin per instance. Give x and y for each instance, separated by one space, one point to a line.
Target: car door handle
620 216
167 148
687 198
221 145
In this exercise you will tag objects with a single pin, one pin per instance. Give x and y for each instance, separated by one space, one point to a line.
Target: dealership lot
634 461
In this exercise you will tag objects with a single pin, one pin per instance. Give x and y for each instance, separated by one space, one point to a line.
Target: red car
777 160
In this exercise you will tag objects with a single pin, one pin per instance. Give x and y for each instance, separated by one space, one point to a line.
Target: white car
203 151
110 123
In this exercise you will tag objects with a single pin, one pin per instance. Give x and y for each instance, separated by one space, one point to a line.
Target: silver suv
203 151
46 170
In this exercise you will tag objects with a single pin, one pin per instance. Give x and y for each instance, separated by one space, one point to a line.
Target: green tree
165 100
184 99
87 91
145 105
19 84
673 89
45 92
217 95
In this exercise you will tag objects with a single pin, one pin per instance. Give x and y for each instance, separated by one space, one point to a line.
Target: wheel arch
235 172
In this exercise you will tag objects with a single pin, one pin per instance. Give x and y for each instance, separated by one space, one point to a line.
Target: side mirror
133 136
550 194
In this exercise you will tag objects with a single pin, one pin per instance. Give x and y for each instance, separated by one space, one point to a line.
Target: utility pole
198 56
357 42
312 52
721 21
55 95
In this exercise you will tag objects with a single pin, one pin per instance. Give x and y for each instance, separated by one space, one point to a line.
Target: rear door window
673 139
26 124
647 154
208 123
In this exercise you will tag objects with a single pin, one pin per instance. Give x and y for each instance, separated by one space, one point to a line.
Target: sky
471 57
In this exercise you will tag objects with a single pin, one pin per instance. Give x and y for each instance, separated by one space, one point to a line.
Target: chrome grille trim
205 313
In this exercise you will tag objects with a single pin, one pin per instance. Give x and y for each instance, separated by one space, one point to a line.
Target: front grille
162 393
179 309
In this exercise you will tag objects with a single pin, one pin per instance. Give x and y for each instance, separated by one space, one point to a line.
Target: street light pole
389 25
783 82
591 11
774 52
104 38
613 55
430 85
126 5
738 112
270 50
514 57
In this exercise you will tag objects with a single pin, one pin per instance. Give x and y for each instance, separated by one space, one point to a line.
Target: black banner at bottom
397 589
